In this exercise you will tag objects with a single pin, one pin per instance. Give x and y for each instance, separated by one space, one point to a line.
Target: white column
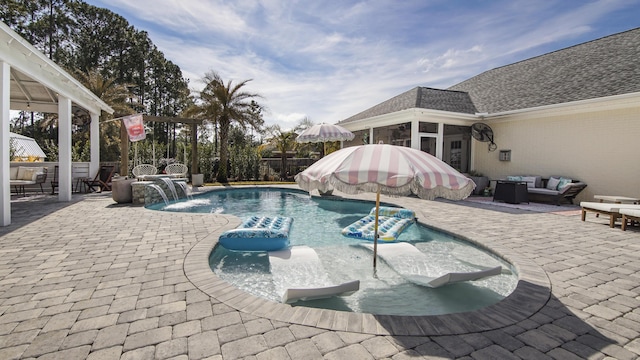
64 148
440 141
415 134
94 136
5 162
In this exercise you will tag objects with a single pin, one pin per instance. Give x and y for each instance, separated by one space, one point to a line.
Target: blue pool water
317 224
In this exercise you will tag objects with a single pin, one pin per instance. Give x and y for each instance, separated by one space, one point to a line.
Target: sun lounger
629 215
299 272
414 266
610 209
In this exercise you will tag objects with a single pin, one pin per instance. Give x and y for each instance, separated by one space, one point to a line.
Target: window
426 127
455 156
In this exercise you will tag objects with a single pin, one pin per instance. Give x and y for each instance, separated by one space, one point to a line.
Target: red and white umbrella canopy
325 132
387 169
393 170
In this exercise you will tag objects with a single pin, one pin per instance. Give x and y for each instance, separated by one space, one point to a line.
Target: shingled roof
603 67
421 97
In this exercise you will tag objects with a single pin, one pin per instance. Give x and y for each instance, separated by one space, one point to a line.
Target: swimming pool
317 223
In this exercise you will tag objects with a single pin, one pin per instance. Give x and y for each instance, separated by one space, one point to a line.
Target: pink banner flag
134 126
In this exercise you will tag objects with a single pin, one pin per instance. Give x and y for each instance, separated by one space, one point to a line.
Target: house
574 112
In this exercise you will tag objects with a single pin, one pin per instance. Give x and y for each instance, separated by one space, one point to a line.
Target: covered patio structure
30 81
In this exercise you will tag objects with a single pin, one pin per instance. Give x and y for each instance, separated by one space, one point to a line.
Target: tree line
123 67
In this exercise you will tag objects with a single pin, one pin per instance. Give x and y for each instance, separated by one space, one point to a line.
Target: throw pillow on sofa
530 180
13 173
563 182
552 184
25 173
37 171
29 173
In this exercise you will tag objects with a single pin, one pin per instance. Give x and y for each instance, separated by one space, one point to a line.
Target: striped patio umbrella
386 169
325 132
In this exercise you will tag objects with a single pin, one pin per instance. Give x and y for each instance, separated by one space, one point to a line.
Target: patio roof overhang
36 81
32 82
417 114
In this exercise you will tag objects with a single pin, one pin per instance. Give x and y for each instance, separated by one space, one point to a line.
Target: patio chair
102 181
176 170
142 170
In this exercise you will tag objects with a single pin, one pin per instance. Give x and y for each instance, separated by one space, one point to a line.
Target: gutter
568 105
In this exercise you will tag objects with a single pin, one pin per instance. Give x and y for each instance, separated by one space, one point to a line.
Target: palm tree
283 141
223 104
114 94
108 90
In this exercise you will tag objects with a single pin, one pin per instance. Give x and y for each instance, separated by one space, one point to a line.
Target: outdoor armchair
102 181
142 170
176 170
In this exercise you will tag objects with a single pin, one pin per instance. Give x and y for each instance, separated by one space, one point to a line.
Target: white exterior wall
595 142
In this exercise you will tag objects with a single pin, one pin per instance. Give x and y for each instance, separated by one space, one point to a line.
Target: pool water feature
163 188
317 223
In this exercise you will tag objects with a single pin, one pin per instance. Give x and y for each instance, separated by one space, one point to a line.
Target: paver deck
95 280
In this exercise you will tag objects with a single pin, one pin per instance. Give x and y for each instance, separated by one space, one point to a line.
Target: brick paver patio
95 280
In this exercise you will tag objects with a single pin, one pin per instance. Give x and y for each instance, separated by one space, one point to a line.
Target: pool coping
531 293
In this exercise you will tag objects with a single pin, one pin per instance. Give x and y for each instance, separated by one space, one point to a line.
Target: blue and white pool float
258 234
391 223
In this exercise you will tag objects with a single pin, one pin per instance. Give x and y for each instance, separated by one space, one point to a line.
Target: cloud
330 60
184 17
292 118
452 59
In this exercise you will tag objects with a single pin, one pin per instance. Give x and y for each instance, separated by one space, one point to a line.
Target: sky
329 60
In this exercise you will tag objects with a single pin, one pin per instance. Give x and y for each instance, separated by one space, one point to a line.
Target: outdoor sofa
554 189
21 176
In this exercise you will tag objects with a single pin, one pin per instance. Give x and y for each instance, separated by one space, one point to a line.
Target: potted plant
197 179
482 182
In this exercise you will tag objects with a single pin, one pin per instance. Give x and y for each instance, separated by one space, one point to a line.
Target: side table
511 192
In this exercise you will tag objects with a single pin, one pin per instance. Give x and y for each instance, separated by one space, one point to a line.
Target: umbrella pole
375 229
